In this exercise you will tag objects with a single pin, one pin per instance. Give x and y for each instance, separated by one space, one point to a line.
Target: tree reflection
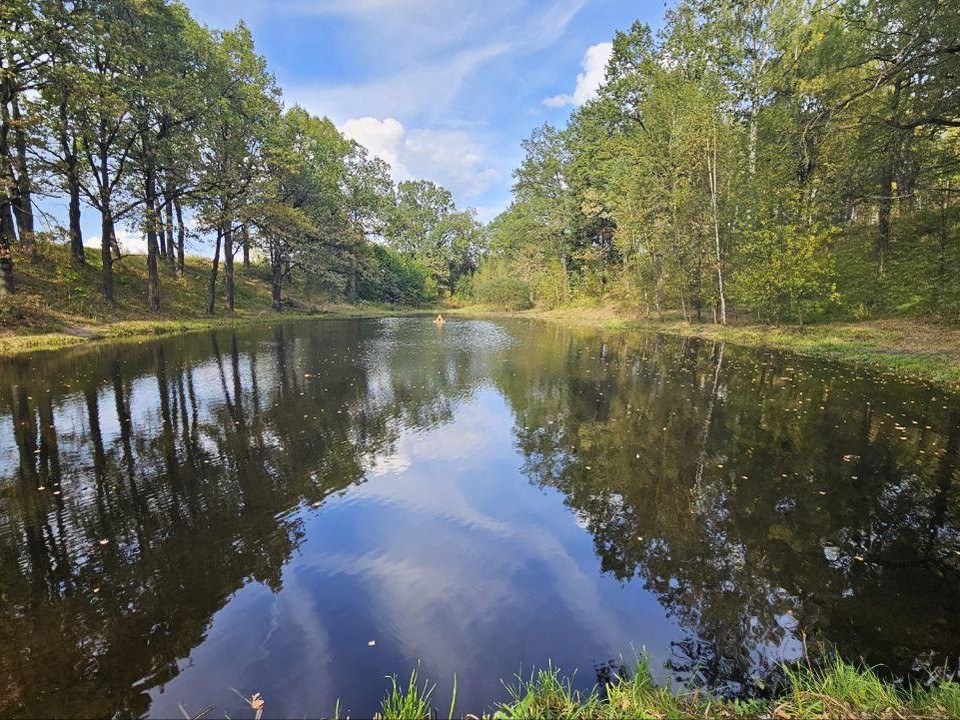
756 499
159 503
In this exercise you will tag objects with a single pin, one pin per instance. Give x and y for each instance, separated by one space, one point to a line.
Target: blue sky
441 89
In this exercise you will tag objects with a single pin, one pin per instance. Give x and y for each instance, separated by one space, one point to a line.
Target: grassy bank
58 304
913 348
840 690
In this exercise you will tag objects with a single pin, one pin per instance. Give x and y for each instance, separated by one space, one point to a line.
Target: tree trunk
68 147
712 166
76 231
181 234
246 246
352 286
161 233
212 287
106 246
886 205
168 207
7 231
277 283
153 275
565 287
658 286
6 248
24 201
228 262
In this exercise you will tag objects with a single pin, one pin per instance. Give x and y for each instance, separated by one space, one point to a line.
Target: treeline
132 109
783 159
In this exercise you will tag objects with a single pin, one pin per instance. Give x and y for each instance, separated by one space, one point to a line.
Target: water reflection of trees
171 475
743 490
697 469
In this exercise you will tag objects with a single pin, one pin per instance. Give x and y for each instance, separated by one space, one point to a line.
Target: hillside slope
53 293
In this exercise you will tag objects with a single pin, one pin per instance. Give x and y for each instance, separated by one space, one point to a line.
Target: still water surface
304 509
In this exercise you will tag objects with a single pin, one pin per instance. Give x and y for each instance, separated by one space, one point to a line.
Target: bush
391 277
494 284
505 293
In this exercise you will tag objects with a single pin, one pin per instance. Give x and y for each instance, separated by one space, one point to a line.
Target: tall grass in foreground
838 690
413 702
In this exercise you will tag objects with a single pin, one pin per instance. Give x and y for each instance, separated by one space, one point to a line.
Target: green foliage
547 694
392 277
783 267
425 224
796 161
178 131
495 284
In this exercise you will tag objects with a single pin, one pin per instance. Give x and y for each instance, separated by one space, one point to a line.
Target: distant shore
22 343
906 348
58 304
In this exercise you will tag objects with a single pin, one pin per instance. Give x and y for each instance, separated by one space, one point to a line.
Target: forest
134 111
772 161
777 160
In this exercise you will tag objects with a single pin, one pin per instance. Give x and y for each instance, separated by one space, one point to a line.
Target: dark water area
250 510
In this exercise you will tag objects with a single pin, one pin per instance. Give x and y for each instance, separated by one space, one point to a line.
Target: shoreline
836 689
913 349
16 344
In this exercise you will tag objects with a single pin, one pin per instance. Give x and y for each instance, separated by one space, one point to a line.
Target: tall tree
245 108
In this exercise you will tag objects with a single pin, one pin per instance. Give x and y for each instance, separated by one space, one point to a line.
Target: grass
413 702
906 348
837 690
58 304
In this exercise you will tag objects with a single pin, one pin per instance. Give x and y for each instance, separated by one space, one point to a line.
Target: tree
103 122
245 107
541 184
426 224
29 38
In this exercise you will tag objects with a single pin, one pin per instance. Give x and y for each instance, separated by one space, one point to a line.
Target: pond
304 509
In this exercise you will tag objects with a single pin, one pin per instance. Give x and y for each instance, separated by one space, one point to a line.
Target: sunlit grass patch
412 702
836 690
547 694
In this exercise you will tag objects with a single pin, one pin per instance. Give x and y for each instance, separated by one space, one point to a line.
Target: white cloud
594 66
382 138
422 89
419 54
130 243
452 158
